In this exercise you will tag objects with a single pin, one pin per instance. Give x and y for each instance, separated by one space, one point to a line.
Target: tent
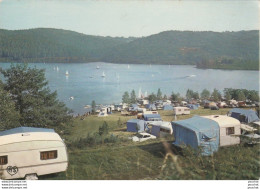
152 117
133 107
192 106
167 107
197 132
135 125
150 106
242 115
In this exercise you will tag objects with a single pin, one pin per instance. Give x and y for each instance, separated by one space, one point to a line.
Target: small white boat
57 68
103 74
128 66
72 98
87 106
67 73
97 67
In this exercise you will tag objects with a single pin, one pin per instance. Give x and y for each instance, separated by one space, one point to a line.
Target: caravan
27 152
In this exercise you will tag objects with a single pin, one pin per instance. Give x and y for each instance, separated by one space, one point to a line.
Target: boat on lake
67 73
103 74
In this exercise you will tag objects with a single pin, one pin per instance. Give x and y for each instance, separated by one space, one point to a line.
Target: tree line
215 95
26 100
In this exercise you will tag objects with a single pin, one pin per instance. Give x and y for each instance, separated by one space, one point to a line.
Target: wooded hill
171 47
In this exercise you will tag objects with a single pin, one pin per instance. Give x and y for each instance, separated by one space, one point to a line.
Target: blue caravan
135 125
197 132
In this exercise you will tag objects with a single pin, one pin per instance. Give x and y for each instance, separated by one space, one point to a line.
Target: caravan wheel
31 177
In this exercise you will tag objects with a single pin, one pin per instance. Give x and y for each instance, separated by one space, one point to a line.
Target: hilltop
228 50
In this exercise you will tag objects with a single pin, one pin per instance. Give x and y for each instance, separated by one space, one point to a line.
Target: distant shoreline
215 68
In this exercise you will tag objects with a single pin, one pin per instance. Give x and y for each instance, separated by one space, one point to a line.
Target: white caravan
181 111
27 152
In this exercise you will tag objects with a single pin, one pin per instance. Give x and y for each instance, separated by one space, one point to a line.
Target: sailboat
58 69
128 66
140 93
67 73
97 67
103 75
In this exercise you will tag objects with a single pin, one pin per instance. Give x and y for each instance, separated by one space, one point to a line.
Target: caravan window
3 160
49 155
230 130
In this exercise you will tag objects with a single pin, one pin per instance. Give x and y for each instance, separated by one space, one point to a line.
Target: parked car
140 137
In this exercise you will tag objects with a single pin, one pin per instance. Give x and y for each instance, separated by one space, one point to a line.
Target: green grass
154 159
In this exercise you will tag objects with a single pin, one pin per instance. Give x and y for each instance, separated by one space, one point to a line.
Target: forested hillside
228 50
52 45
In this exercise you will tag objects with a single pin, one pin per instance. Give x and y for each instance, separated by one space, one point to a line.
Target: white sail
57 68
67 72
103 74
145 94
140 93
128 66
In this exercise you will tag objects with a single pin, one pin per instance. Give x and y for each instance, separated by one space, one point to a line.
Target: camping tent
167 107
192 106
150 106
135 125
197 132
242 115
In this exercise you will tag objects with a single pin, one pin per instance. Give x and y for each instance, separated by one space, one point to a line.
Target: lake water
85 82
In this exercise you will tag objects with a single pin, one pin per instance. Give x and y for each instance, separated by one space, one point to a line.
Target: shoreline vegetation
205 50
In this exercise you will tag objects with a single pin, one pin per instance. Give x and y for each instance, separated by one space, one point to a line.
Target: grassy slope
128 160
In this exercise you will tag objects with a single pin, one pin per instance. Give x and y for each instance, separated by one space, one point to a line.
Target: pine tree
36 104
93 106
159 94
125 98
152 97
9 117
133 97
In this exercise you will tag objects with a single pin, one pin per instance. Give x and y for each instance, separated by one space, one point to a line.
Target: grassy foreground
154 159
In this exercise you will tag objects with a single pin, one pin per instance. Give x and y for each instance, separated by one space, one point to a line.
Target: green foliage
191 94
133 97
165 97
205 94
126 98
104 129
159 94
93 106
242 94
228 96
152 98
226 50
9 117
175 97
216 96
36 104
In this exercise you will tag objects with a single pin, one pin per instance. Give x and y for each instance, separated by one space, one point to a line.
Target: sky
126 18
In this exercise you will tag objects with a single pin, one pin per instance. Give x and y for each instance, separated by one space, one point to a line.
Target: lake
85 82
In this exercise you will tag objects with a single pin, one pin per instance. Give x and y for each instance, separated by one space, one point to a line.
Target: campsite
118 158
